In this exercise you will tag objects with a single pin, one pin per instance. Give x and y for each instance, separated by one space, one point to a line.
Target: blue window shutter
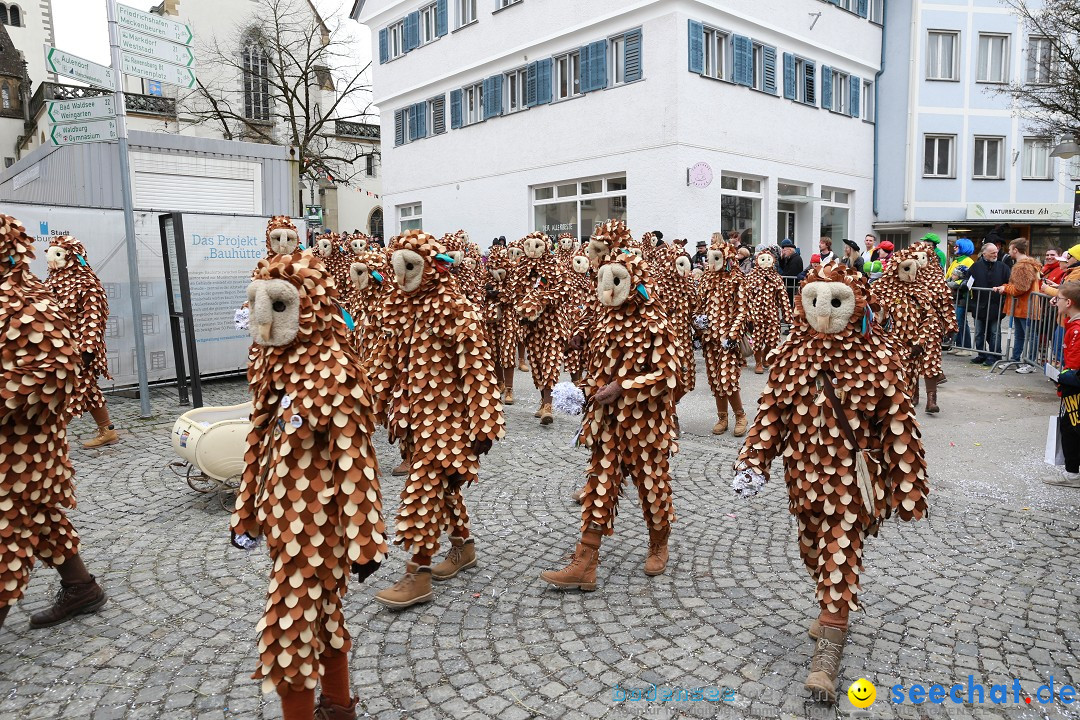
399 127
632 64
414 128
486 105
835 2
412 31
769 58
744 60
543 81
441 18
697 47
384 46
789 76
585 78
809 81
826 87
421 122
492 96
856 87
599 64
497 94
530 85
864 8
455 109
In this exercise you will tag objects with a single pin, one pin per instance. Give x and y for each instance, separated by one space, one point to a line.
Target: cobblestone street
987 586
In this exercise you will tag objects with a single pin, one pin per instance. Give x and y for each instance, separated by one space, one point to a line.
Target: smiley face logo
862 693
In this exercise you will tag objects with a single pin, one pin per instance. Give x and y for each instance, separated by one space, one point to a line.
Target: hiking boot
523 366
977 360
71 600
326 710
412 589
462 556
578 496
402 469
814 631
106 436
657 559
759 369
580 574
740 425
721 425
508 398
825 666
539 410
676 427
546 416
1066 479
931 397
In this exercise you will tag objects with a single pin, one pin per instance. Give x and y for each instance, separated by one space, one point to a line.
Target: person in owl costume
724 302
543 309
630 379
466 274
82 299
500 319
768 307
932 275
836 410
515 251
336 259
581 280
679 298
916 321
436 389
281 236
368 285
311 483
565 250
39 374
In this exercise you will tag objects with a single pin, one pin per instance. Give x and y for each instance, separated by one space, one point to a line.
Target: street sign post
157 70
155 25
77 68
81 109
156 48
83 132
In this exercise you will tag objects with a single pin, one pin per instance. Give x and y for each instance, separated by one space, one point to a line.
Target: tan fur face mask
613 285
828 306
408 269
283 241
275 312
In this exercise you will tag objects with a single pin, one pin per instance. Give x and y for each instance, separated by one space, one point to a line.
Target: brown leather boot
508 397
412 589
326 710
721 424
658 551
676 426
106 436
740 425
578 496
915 393
825 666
539 410
580 574
814 631
402 469
523 366
462 556
72 599
931 397
546 415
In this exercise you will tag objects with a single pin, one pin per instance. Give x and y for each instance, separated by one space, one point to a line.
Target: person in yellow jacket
956 278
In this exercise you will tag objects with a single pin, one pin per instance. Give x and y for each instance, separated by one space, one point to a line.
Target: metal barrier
1043 342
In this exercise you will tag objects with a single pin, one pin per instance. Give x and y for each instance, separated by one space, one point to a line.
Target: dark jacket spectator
791 264
988 274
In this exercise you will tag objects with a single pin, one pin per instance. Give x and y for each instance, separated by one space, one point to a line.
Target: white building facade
956 157
685 116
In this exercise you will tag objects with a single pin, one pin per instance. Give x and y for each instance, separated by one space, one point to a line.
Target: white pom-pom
567 398
242 318
747 482
701 322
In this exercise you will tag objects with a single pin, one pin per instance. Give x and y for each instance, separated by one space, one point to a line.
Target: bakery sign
1019 212
700 175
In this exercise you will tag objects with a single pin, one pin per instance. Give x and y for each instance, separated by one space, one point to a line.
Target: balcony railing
135 103
344 128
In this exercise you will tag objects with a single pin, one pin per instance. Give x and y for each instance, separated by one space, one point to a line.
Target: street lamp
1067 148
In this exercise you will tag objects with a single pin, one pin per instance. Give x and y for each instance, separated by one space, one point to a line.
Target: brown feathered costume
435 387
724 302
835 362
630 379
679 298
582 283
768 307
500 318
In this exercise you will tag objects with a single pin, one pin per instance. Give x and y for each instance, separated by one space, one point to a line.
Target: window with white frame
938 154
410 217
868 107
876 12
1038 165
568 75
993 58
472 104
369 165
507 3
428 24
989 154
617 61
835 212
941 55
466 12
759 67
740 207
841 92
578 206
515 84
717 50
849 5
1040 60
396 39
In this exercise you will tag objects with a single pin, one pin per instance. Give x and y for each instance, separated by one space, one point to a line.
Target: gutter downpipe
877 84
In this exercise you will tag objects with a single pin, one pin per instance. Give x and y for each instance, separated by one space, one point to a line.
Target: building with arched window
13 86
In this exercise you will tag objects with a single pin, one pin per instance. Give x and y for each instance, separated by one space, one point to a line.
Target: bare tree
287 78
1047 90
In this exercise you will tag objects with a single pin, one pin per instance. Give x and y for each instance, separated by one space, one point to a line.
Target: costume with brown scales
311 481
370 283
435 387
566 248
39 372
836 410
679 297
500 319
630 379
768 308
336 258
582 282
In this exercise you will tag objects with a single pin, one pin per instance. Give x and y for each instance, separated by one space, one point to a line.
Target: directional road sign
135 42
73 111
155 25
77 68
85 132
157 70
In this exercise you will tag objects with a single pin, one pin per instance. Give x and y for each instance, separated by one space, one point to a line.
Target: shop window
740 207
578 207
410 217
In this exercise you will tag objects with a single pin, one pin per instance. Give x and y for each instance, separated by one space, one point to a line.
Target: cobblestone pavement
988 586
